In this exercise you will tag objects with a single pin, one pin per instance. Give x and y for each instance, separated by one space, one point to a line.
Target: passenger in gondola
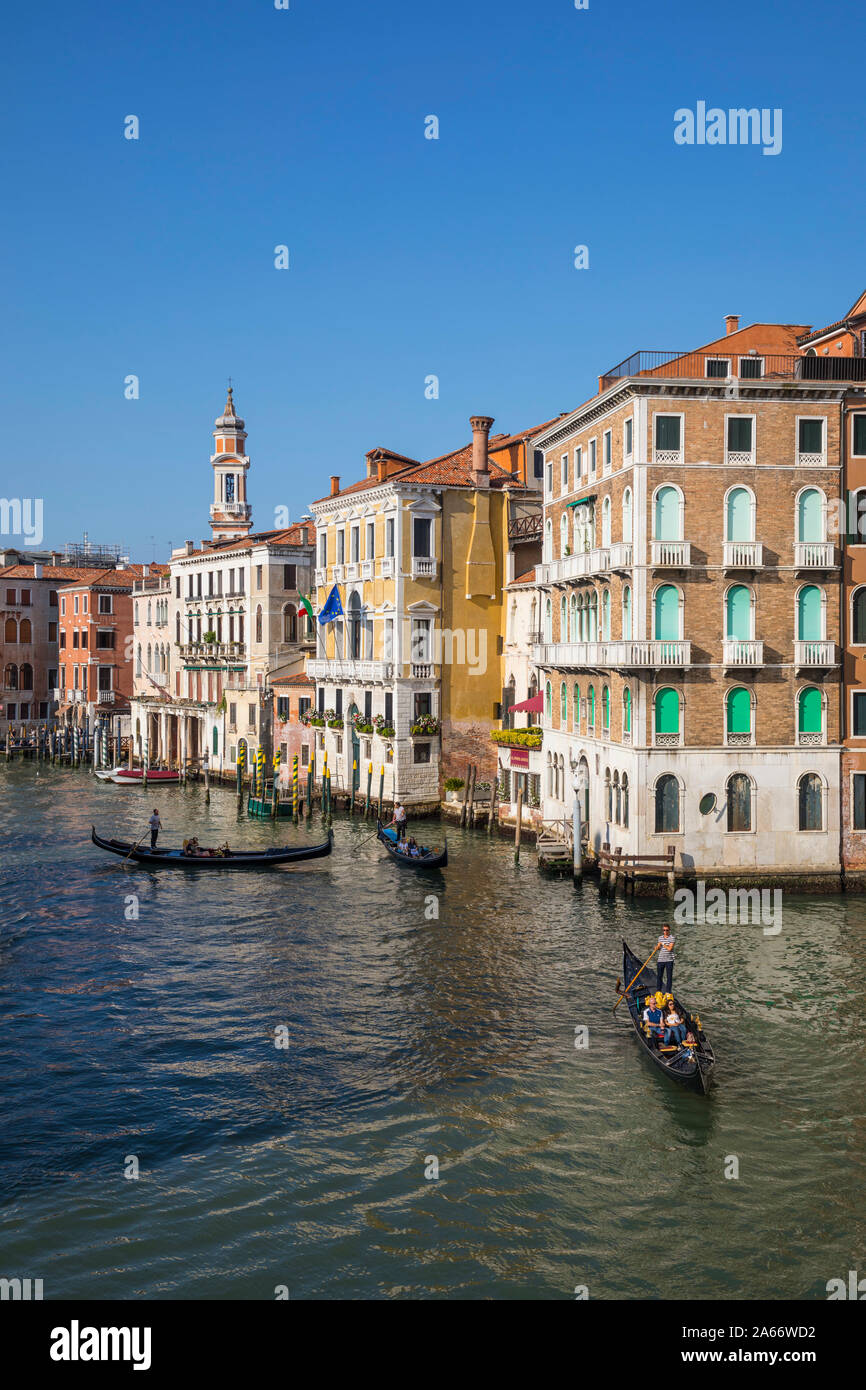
675 1029
652 1018
412 850
192 848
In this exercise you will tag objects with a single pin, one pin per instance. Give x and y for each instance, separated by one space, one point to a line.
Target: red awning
533 706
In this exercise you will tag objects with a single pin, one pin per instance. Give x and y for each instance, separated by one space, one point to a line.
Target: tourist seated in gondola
652 1018
192 847
675 1028
412 850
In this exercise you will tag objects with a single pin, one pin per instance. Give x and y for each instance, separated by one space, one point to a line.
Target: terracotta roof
292 680
71 574
288 535
527 578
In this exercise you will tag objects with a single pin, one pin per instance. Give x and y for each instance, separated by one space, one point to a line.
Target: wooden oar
634 981
135 847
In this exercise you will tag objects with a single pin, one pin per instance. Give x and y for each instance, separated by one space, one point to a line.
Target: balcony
423 567
694 366
422 670
743 555
620 555
387 566
739 652
812 654
815 555
105 697
320 578
585 562
367 568
323 669
338 573
215 652
808 460
671 554
353 569
666 456
638 655
740 458
230 509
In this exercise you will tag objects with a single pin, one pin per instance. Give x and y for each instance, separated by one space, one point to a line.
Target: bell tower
230 513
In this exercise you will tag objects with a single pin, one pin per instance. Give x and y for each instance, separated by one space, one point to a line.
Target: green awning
581 501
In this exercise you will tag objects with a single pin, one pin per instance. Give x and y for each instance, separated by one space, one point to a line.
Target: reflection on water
139 1017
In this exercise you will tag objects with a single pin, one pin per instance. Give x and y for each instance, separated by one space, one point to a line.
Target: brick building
95 664
691 615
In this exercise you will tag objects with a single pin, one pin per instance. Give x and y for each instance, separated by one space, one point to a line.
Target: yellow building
410 677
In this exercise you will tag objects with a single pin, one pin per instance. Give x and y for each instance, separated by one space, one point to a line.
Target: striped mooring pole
275 789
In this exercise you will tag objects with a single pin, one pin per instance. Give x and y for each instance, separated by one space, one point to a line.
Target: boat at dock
134 776
233 859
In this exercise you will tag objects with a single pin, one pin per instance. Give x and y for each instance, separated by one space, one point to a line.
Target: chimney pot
732 323
381 471
480 436
335 484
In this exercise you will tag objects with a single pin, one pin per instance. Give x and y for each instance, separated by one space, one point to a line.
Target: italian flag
309 608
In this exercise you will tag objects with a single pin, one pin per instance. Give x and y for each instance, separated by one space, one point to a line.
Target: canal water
138 1018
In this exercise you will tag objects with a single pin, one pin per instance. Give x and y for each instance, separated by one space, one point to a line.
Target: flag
333 608
309 607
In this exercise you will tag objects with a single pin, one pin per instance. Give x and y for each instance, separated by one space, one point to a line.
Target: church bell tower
230 513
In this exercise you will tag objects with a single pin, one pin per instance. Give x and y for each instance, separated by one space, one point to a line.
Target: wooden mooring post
519 826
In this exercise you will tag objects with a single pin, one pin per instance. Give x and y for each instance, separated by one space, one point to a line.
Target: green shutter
810 711
667 712
739 712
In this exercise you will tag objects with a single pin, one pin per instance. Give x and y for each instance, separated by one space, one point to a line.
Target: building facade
691 607
30 649
410 676
96 649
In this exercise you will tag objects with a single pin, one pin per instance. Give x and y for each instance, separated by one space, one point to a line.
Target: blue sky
409 256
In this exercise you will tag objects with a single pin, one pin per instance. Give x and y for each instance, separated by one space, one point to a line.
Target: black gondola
693 1066
428 859
244 859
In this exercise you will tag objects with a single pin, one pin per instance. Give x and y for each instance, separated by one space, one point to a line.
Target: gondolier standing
155 827
666 959
399 820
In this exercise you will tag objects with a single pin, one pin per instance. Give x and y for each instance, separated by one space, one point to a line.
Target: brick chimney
732 323
480 462
381 470
335 484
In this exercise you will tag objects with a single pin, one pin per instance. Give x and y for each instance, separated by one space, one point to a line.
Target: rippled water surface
409 1037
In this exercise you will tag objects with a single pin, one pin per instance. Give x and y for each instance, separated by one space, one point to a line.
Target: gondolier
155 826
665 964
398 820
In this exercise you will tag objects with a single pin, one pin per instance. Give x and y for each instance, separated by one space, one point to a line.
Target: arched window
149 611
216 736
739 613
738 715
667 805
810 715
593 616
626 613
667 514
739 802
626 515
176 630
548 540
290 623
810 515
590 710
259 623
563 535
573 630
135 614
858 617
605 523
582 612
25 633
608 795
575 706
617 798
548 700
811 802
739 515
666 610
149 658
625 800
10 677
626 711
10 631
667 715
548 621
810 623
605 615
25 675
563 704
605 709
138 660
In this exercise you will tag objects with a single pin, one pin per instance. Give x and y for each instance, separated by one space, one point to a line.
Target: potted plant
453 786
425 726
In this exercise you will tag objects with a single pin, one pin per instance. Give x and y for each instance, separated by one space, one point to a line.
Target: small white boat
126 776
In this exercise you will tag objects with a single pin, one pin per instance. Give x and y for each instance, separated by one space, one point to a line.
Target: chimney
480 463
190 547
381 470
37 571
335 484
732 323
304 540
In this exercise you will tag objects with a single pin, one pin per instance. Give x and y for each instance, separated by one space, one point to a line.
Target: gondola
428 860
245 859
692 1066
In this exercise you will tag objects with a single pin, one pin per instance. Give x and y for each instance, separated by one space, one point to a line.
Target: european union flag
332 608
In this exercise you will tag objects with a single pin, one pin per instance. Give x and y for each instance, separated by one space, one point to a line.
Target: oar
632 985
134 848
367 838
